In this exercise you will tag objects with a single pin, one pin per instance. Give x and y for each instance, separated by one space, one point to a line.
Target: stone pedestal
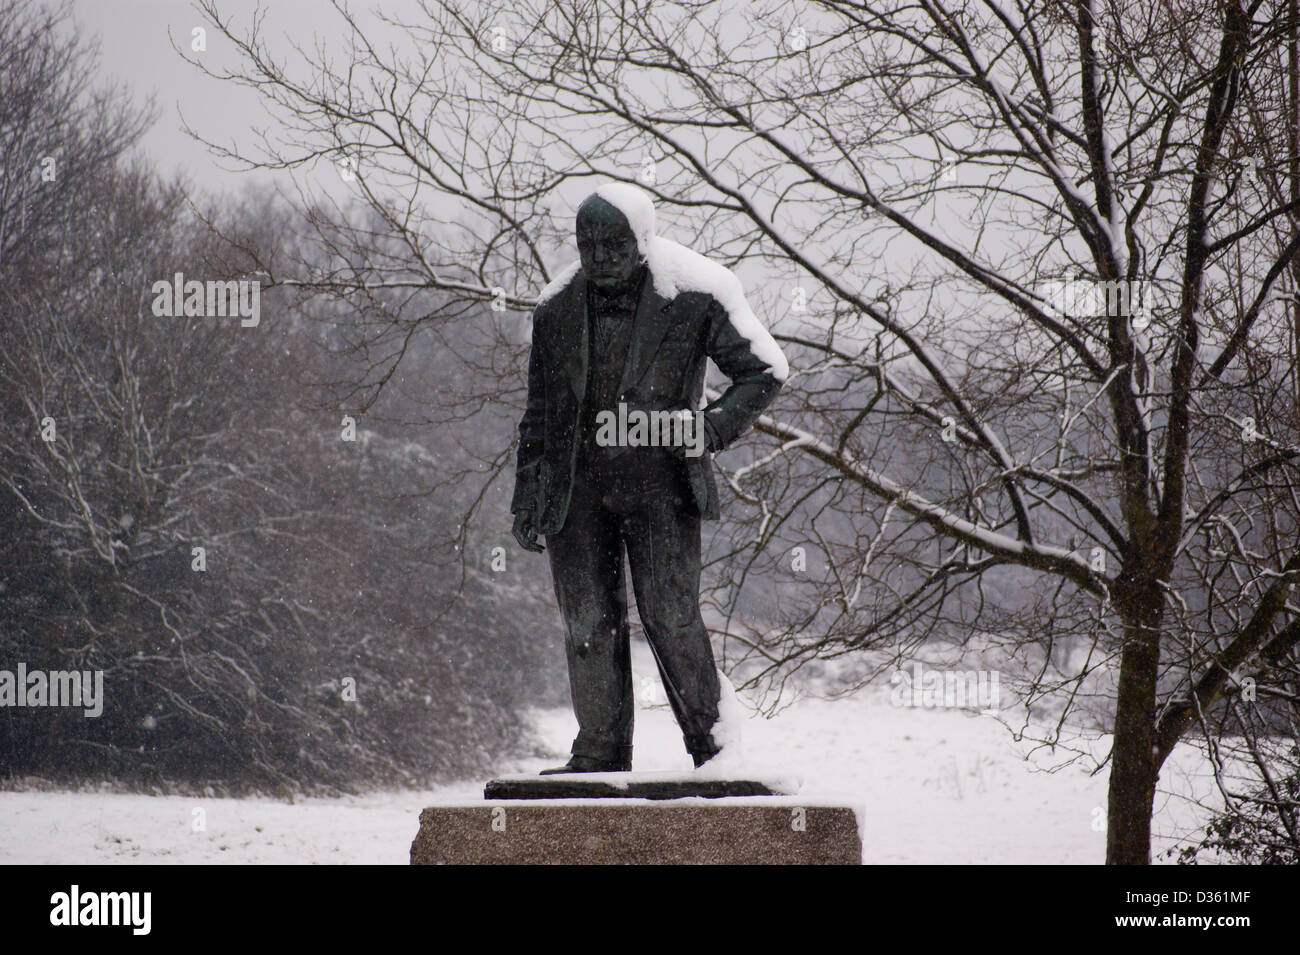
753 830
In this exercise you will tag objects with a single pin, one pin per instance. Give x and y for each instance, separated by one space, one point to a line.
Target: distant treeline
270 590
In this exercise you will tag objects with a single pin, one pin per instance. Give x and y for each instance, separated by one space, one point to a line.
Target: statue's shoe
700 758
587 764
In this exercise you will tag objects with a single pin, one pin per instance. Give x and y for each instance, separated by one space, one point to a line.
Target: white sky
135 50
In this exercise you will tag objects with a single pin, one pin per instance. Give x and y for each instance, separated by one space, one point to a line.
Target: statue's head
609 244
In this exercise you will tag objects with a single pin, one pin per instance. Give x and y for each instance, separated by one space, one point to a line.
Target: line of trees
190 506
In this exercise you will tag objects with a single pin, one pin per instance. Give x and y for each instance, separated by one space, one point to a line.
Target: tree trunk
1132 787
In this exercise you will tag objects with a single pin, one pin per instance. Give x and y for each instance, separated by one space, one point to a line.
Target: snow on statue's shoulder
556 285
678 269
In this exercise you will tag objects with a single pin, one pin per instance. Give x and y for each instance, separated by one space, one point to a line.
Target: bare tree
1029 277
55 129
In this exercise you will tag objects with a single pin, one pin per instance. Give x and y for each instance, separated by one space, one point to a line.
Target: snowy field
935 786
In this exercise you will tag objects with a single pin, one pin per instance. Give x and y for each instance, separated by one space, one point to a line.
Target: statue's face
606 245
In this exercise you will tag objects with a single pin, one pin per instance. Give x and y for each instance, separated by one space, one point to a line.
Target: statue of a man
615 455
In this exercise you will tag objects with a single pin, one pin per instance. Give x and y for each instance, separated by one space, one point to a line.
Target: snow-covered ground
936 786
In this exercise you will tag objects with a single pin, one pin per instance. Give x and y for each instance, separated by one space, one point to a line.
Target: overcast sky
136 40
135 50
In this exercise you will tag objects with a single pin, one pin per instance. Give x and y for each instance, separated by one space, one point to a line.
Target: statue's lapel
573 335
652 321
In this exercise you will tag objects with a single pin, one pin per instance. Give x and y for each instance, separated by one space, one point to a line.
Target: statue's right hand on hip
525 531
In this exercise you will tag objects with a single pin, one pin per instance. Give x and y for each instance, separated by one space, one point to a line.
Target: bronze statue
613 455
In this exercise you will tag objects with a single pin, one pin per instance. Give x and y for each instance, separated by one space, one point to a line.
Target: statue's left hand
525 531
694 428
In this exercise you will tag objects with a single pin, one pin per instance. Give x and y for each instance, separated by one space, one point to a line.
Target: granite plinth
753 830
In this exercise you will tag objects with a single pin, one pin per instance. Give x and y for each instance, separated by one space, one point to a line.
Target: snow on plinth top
779 782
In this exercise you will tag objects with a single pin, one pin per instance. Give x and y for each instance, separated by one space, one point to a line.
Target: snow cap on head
636 207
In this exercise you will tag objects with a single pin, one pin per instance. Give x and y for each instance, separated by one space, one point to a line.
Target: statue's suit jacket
665 368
